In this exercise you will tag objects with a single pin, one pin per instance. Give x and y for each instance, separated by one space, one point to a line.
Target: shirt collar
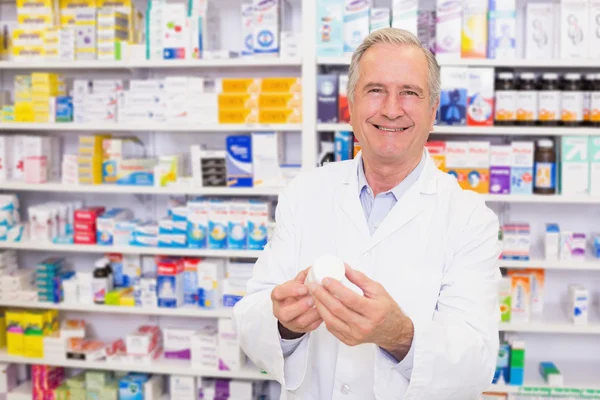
400 188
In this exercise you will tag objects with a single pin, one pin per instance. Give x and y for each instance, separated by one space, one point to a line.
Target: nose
392 107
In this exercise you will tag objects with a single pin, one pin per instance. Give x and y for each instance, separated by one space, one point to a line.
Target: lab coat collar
406 209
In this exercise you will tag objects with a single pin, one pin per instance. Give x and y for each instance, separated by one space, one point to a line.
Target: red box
170 266
84 237
88 214
84 227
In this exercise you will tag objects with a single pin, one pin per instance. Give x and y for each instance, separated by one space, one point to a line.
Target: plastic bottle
505 99
545 167
572 100
587 87
103 280
326 266
527 99
549 100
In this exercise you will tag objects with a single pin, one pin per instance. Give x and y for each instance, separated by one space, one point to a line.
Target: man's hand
372 318
294 308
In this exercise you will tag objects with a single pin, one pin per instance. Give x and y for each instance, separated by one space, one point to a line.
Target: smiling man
416 316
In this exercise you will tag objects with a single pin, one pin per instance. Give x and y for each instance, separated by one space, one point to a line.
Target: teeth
390 129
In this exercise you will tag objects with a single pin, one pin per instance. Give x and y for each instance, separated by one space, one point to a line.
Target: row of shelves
250 62
553 321
173 127
255 191
570 265
575 265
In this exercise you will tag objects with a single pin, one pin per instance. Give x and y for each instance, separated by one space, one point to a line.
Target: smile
383 128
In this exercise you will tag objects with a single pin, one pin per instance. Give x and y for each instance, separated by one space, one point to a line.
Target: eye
375 91
410 93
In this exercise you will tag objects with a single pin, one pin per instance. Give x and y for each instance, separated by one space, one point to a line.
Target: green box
96 380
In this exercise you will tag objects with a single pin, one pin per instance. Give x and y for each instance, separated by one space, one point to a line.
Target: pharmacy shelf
152 64
473 62
554 320
574 265
145 127
83 248
186 311
160 366
126 189
541 199
580 378
490 130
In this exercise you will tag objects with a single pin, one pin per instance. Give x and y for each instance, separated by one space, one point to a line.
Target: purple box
327 99
500 169
177 343
426 29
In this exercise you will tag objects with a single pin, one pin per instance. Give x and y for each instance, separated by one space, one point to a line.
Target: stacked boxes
106 224
204 348
112 33
48 279
85 34
17 285
265 101
144 101
33 18
46 380
517 362
85 225
91 159
23 111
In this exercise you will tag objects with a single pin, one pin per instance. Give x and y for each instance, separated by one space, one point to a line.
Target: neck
383 177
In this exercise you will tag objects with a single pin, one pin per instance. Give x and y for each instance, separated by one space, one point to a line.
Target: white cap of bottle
326 266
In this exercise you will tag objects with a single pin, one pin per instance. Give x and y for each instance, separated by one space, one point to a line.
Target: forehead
394 64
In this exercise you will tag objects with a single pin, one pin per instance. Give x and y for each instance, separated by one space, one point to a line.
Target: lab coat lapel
350 200
408 207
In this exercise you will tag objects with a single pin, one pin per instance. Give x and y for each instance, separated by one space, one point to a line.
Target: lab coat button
345 389
377 223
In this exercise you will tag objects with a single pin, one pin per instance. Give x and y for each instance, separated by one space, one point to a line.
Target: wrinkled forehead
399 64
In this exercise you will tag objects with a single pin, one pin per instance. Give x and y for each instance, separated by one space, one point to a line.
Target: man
416 316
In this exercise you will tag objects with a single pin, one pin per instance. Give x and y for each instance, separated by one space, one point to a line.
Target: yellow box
33 346
43 117
14 332
276 100
94 142
24 108
238 116
67 20
43 78
279 116
41 108
28 52
35 4
240 85
237 100
281 85
36 21
474 34
28 37
2 332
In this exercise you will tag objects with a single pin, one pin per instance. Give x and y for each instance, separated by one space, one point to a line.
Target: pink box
36 169
84 227
84 238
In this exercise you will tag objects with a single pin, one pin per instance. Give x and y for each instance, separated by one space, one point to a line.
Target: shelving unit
554 321
180 312
125 189
165 251
489 130
572 265
144 127
160 366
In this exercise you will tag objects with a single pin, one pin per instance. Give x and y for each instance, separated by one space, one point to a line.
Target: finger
361 280
334 325
288 289
290 312
353 301
336 307
301 277
305 320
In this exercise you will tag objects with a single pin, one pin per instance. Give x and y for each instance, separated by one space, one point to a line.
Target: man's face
391 114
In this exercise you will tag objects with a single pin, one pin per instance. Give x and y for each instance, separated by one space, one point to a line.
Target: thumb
301 277
366 284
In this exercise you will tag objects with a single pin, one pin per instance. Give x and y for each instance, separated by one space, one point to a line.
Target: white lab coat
435 254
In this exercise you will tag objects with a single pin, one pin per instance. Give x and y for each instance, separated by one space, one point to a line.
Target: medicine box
239 161
479 166
474 29
211 273
448 29
457 161
356 23
266 27
405 15
574 168
453 98
594 27
540 31
480 96
500 161
231 357
574 30
594 160
330 28
327 98
521 167
502 23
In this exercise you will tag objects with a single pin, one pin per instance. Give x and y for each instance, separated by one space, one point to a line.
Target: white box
574 30
594 30
579 301
448 31
210 272
247 30
6 158
457 154
204 347
266 28
479 154
405 15
552 242
183 387
540 31
356 23
574 176
19 157
8 377
231 356
265 159
177 343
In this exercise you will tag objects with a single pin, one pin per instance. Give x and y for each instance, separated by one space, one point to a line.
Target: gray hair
399 37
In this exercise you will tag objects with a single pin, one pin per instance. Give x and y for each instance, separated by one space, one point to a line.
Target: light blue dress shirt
376 209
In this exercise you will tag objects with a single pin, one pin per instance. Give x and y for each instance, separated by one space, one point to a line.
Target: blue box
218 224
330 28
517 376
237 228
239 161
64 109
131 387
344 145
172 240
453 107
197 224
258 224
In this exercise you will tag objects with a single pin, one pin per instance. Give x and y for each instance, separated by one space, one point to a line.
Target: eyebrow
408 86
